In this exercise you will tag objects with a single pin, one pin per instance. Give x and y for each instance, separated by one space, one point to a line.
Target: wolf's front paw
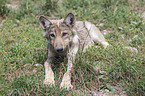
49 81
66 82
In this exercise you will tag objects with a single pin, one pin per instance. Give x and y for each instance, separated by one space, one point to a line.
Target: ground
116 70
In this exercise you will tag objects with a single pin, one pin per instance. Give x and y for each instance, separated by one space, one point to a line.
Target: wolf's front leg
66 80
49 75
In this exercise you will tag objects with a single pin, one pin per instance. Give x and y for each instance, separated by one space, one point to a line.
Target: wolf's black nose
59 49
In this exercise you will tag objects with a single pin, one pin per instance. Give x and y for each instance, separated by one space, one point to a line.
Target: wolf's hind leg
95 34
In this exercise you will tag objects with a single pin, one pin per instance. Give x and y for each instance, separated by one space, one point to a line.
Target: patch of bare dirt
14 4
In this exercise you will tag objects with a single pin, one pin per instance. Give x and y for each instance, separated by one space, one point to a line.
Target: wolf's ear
45 24
69 20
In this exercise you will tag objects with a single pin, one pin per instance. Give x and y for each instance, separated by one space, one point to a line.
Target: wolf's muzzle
59 50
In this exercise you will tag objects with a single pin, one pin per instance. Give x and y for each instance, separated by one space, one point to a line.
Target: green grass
22 46
3 8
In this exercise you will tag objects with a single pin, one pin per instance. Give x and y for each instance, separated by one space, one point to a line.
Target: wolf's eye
52 35
64 34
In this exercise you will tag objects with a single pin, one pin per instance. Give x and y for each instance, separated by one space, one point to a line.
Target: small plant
26 8
50 6
3 8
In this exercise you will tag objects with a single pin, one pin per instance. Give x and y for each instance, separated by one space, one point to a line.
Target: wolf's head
59 33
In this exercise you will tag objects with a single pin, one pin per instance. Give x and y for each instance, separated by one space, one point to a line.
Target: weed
3 8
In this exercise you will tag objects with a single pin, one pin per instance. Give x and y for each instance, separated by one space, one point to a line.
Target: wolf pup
65 37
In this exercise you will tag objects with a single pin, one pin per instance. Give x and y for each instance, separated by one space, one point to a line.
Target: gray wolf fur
65 37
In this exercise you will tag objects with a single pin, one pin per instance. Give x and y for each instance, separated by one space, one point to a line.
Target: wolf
65 37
